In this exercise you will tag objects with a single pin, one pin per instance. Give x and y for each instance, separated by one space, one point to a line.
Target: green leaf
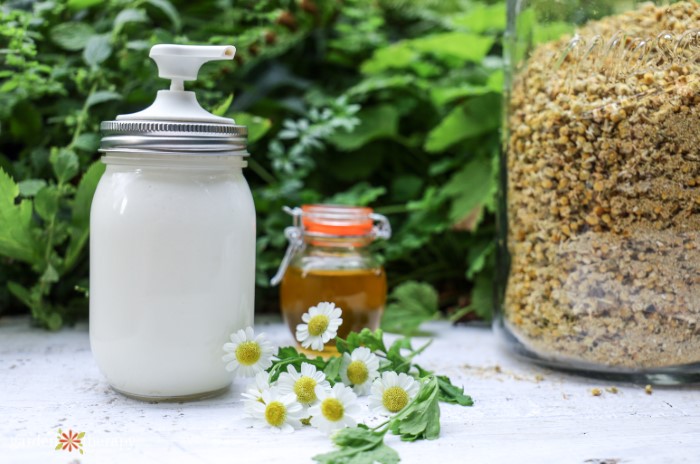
421 418
16 229
30 187
459 45
396 361
223 107
257 126
97 49
80 218
496 81
65 164
289 356
129 15
453 47
72 36
88 142
396 56
50 275
482 302
442 96
46 202
452 394
375 123
372 340
168 10
478 257
21 293
470 189
80 4
474 117
332 368
102 96
54 321
359 445
361 194
411 304
482 18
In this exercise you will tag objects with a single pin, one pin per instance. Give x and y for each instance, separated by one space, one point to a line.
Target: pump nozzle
181 63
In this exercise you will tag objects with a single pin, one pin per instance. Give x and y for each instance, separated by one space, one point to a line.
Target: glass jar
172 265
329 260
600 196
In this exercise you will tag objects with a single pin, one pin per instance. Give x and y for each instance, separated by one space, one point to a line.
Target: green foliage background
391 103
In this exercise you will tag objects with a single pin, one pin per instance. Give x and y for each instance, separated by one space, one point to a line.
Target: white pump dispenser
181 63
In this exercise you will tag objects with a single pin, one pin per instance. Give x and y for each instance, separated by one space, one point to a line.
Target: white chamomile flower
359 370
391 393
247 354
255 391
337 408
320 325
276 410
303 384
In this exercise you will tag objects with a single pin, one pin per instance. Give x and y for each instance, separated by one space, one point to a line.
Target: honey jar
329 260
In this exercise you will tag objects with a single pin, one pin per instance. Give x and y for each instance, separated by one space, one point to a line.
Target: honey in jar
329 261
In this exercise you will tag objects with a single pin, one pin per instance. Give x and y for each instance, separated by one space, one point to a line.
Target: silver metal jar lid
173 138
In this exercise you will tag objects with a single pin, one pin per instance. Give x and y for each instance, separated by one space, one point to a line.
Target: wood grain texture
522 413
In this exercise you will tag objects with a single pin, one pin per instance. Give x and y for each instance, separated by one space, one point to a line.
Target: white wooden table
522 414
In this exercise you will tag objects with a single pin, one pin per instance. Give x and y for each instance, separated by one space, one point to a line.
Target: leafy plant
389 103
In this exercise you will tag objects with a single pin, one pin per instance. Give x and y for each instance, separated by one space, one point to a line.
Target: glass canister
329 260
172 247
600 189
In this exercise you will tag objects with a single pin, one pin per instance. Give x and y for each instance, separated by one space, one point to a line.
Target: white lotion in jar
172 246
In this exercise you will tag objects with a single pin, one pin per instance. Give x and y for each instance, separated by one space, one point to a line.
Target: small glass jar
599 216
329 260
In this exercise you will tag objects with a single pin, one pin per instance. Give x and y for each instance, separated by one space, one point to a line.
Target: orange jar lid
337 220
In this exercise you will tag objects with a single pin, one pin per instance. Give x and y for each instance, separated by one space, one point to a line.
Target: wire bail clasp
294 235
383 228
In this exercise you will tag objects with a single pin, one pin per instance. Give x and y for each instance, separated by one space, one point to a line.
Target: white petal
317 344
306 317
249 333
308 369
390 379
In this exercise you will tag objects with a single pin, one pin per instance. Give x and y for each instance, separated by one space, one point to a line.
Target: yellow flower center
332 409
304 389
248 353
318 324
395 399
275 413
357 372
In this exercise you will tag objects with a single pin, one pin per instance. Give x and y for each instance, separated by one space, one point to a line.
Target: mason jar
329 260
599 219
172 256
